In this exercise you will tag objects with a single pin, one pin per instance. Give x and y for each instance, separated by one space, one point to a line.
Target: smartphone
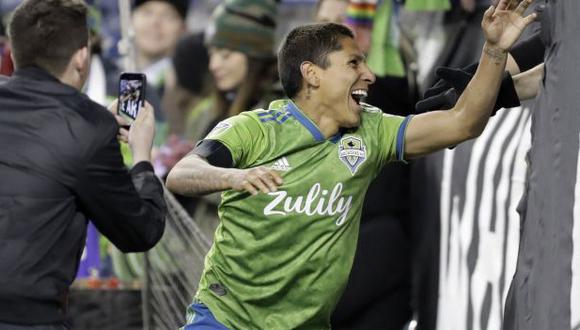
131 94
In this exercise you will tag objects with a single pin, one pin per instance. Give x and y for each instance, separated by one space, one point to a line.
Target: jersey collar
308 124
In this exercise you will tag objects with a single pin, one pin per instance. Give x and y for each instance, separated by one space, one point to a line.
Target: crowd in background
201 72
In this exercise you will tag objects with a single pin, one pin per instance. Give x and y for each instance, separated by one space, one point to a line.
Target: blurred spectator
109 27
187 84
102 83
158 25
331 11
463 33
188 81
389 53
242 62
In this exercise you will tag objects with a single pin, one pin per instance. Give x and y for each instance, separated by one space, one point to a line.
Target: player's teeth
360 92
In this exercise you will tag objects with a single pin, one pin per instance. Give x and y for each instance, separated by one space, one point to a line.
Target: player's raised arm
435 130
193 175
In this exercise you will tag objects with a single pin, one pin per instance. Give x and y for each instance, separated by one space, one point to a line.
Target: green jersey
281 260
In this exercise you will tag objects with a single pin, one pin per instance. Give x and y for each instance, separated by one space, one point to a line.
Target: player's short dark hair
47 33
311 43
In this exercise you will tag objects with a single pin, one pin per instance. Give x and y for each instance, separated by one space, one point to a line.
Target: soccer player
294 175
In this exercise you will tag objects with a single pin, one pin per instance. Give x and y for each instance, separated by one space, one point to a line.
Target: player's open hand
503 25
256 179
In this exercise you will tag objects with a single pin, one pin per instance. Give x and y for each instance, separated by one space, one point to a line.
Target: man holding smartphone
60 165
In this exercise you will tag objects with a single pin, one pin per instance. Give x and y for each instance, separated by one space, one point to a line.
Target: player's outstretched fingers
512 4
530 18
522 7
503 4
488 16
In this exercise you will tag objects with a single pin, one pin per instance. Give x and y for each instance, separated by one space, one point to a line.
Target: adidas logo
281 165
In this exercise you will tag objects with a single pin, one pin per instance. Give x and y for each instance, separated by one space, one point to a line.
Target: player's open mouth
358 95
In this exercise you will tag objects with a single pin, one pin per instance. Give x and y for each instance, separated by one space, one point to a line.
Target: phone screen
131 94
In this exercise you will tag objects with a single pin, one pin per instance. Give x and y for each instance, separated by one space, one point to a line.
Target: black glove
440 96
443 85
445 100
444 94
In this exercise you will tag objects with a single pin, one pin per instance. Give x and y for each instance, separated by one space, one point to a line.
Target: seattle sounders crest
352 152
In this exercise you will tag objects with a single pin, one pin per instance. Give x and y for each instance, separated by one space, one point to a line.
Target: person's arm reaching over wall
435 130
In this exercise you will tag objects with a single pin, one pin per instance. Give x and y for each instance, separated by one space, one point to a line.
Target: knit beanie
247 26
182 6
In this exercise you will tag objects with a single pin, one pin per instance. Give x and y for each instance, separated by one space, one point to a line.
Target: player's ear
310 73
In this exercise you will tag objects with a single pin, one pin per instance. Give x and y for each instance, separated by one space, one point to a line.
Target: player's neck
319 113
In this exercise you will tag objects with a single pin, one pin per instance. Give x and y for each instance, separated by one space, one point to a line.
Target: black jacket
60 165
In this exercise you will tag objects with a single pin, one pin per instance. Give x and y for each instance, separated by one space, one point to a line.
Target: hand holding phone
131 94
141 134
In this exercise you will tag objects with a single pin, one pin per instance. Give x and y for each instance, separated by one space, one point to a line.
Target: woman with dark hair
241 62
236 87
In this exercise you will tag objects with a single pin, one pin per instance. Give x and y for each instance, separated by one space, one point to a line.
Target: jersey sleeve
391 138
243 136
